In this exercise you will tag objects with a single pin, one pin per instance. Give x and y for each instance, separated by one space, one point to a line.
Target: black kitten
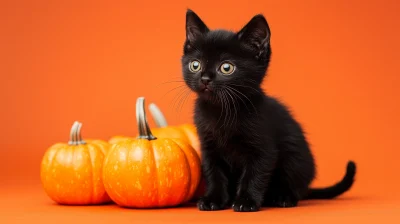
253 151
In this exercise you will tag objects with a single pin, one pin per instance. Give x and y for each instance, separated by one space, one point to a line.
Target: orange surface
334 62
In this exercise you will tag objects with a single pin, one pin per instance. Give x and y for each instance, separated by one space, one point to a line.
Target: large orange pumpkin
187 132
151 172
71 173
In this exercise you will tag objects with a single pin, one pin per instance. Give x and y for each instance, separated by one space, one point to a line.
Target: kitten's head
217 62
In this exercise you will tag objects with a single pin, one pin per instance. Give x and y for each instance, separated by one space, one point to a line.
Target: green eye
227 68
194 66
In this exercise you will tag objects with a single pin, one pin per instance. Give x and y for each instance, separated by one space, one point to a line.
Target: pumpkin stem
72 133
75 134
79 135
157 115
144 129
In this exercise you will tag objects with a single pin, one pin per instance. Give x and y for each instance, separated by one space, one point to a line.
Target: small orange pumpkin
71 173
187 132
151 172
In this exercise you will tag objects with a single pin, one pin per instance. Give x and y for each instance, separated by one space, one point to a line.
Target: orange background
335 63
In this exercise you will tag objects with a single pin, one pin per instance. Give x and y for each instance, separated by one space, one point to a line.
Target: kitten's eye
227 68
194 66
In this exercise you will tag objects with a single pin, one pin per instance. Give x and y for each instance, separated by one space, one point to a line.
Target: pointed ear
195 27
256 33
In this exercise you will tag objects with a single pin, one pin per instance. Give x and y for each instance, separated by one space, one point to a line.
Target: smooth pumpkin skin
143 173
118 138
188 133
104 146
72 174
170 132
191 133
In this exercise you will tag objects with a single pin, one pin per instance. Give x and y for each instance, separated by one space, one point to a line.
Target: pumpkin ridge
69 154
192 157
100 145
118 147
92 173
181 144
51 165
51 162
190 169
156 172
103 151
73 158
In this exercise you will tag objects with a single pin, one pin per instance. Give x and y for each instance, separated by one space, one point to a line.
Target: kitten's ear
256 33
195 27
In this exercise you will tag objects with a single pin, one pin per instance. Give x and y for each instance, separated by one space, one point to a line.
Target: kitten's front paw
245 204
208 204
285 201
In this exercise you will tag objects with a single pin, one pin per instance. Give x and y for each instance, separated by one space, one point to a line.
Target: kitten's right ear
195 27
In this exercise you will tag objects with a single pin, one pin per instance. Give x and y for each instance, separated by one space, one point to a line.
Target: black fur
254 153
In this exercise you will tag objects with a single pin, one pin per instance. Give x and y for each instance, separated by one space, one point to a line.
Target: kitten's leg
279 194
253 183
293 175
216 196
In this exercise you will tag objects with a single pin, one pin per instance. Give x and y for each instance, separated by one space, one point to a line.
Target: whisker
227 109
217 92
233 89
234 117
228 116
186 98
245 87
240 98
172 80
175 88
178 98
182 102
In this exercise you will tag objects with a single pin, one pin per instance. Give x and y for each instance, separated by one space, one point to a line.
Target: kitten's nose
205 80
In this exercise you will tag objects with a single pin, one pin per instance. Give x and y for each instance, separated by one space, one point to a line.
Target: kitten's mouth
206 92
205 89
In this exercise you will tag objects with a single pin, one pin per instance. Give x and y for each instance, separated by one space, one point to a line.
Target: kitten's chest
217 121
225 132
230 144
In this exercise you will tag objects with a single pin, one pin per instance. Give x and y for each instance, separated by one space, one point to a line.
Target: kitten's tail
337 189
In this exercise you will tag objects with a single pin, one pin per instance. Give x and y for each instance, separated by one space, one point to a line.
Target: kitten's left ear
256 33
195 27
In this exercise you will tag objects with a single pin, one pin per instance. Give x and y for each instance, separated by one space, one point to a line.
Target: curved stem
79 135
75 137
157 115
72 133
144 129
